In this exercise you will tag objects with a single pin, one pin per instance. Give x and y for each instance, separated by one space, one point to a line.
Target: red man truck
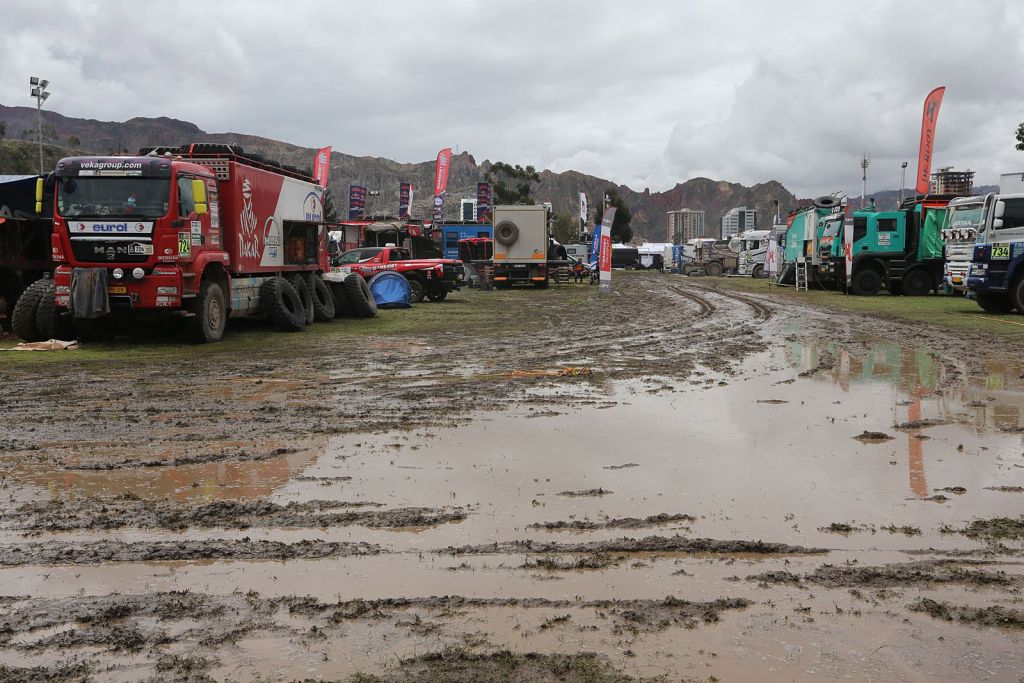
204 230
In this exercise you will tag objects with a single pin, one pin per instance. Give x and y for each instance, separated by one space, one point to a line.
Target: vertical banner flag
848 251
924 154
584 209
322 166
404 199
771 264
356 201
444 160
483 202
605 262
595 246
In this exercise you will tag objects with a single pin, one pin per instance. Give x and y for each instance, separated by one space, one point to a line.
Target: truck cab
996 274
963 225
751 247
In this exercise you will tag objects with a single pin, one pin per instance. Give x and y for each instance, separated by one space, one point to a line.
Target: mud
126 512
623 523
873 437
100 552
334 504
995 615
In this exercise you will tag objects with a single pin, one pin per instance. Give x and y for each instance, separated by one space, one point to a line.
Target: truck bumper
159 288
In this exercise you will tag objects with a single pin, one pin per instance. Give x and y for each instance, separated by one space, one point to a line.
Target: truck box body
1011 183
520 244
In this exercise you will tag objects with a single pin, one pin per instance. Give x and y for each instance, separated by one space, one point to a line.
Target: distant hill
88 136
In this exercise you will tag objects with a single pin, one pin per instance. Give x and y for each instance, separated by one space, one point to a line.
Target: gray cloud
647 94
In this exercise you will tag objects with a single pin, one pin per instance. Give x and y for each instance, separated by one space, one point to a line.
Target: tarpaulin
932 223
390 290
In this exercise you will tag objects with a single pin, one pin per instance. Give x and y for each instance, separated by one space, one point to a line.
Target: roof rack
202 151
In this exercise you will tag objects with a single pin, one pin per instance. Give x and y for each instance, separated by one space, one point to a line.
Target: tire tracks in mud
762 312
706 307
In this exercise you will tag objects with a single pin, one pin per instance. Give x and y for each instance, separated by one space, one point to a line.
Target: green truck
900 250
807 227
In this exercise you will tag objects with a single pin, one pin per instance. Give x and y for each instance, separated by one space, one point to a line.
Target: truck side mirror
39 195
1000 209
199 197
997 223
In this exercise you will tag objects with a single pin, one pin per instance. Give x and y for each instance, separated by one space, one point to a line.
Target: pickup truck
432 278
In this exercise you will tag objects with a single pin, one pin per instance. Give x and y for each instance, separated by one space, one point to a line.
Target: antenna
865 161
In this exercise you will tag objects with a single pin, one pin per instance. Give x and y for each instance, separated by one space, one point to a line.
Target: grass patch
953 312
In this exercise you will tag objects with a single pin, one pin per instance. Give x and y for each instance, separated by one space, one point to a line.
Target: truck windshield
965 217
358 255
832 228
113 197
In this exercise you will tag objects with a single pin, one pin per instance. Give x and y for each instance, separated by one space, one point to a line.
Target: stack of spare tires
294 301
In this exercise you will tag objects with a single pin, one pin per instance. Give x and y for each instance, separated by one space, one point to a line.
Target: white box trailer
1011 183
521 246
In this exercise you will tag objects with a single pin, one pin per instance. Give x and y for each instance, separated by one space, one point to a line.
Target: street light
903 180
39 92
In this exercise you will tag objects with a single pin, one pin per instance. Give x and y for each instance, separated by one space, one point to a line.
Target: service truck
751 248
807 228
520 246
24 250
901 250
204 230
996 274
966 216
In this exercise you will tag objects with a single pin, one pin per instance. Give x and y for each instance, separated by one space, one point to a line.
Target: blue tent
390 290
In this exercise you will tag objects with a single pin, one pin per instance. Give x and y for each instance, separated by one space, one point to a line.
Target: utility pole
903 181
39 92
865 159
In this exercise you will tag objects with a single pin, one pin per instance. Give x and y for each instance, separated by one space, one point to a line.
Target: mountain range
65 135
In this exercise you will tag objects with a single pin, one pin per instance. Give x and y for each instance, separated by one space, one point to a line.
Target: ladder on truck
802 275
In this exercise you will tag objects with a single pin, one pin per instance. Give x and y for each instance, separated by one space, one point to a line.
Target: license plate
956 280
120 289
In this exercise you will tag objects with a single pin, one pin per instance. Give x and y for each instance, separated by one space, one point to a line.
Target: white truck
520 246
751 247
963 223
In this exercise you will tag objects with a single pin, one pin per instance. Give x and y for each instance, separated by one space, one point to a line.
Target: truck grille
109 251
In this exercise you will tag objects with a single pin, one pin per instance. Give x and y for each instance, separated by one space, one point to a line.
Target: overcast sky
647 94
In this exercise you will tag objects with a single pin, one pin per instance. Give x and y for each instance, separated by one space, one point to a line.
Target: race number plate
1000 252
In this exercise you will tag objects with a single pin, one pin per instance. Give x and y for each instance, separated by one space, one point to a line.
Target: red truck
204 230
428 277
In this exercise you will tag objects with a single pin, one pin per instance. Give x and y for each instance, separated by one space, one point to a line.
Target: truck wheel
282 304
51 322
758 272
1017 293
360 298
211 314
323 301
417 290
506 233
24 321
341 306
542 285
305 296
866 282
714 269
438 296
917 283
993 303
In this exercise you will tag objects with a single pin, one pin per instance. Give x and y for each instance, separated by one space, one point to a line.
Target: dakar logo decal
248 238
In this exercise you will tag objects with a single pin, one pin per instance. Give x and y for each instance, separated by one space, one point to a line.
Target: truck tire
282 304
323 301
999 304
211 314
826 202
757 272
917 282
1016 293
866 282
24 320
298 281
438 296
51 322
417 290
506 233
360 298
714 269
341 306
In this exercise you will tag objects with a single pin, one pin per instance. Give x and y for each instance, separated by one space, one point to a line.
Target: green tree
1020 137
621 230
330 213
512 184
566 229
74 141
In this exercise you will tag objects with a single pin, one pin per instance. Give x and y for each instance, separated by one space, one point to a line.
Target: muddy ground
677 482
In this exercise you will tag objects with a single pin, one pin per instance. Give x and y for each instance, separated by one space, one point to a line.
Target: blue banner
595 248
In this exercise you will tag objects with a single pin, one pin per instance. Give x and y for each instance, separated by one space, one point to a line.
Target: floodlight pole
39 92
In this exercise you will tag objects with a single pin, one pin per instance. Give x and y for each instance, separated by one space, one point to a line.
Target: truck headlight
117 273
138 273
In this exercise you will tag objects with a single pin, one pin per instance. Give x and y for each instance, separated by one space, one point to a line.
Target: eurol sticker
110 227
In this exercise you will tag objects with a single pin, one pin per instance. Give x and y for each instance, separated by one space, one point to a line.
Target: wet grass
947 311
